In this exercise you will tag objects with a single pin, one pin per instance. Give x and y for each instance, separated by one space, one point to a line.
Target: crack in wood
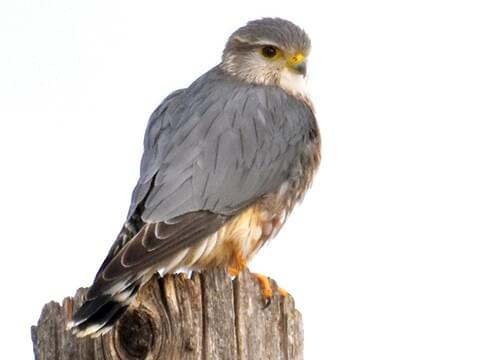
206 316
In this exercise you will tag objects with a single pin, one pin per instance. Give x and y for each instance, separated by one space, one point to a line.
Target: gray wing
210 151
218 146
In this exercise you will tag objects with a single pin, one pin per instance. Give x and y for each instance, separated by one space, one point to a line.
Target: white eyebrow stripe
261 41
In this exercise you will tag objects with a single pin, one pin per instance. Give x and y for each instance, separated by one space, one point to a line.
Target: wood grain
205 316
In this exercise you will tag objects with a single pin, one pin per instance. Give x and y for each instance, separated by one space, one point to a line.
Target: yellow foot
267 292
233 271
283 292
236 265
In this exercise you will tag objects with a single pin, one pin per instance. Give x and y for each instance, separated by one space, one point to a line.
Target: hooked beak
298 63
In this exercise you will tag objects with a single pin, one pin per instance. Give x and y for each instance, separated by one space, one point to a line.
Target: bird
225 161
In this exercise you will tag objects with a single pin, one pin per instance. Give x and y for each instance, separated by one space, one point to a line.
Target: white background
383 255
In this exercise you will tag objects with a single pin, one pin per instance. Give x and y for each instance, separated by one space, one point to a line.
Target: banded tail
139 251
98 315
105 304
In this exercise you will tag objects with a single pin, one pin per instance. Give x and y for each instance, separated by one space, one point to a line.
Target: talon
267 292
267 302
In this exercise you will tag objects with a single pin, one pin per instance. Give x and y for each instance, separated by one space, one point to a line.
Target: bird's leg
236 265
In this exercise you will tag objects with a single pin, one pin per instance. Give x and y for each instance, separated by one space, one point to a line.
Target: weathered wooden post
206 317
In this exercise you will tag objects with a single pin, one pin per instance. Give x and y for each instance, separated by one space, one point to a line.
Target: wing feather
153 245
210 151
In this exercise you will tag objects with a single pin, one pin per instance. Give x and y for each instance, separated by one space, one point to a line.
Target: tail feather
97 315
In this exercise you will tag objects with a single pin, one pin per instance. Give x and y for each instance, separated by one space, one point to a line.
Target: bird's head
270 51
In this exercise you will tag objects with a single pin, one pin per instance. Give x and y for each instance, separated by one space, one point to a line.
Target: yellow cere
296 59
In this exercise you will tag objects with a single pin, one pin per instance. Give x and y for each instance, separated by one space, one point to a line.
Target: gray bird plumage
217 146
265 31
210 151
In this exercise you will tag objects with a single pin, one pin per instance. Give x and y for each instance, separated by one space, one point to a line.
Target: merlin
225 160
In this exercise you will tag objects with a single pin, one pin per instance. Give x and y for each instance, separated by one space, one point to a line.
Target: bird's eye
269 51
